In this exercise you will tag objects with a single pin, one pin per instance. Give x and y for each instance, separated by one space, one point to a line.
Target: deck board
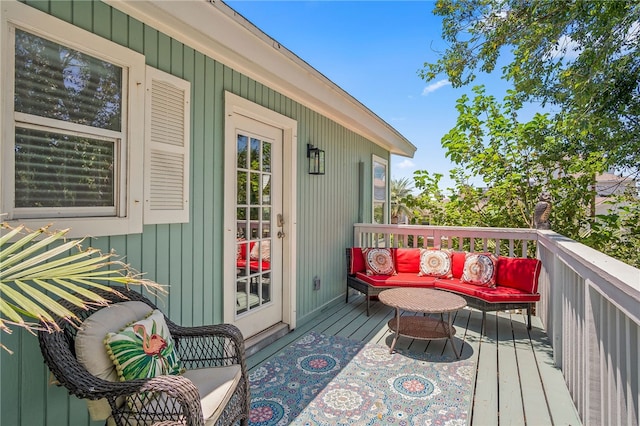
516 381
485 405
562 413
535 404
509 396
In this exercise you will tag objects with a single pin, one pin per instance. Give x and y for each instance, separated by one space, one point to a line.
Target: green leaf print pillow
144 349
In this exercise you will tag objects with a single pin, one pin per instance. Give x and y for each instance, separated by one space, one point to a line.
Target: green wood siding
188 257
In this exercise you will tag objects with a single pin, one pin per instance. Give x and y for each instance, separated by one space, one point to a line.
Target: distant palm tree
400 190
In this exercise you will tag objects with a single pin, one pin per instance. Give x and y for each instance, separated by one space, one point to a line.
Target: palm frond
36 265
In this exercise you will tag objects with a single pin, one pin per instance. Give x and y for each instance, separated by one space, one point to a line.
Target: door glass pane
266 157
242 154
255 154
242 188
255 188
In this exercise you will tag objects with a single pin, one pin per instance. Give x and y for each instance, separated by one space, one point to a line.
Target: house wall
188 257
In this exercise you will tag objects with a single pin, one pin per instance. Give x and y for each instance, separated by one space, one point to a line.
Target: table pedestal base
422 328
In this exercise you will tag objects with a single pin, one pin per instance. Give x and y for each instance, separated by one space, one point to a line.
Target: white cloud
397 119
435 86
566 48
405 164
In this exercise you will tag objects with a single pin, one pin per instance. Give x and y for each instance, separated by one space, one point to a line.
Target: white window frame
385 209
129 193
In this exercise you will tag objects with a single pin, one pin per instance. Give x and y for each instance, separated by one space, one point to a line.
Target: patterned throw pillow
144 349
261 248
435 263
480 269
379 261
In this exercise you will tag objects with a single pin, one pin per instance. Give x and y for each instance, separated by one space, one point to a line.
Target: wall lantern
316 160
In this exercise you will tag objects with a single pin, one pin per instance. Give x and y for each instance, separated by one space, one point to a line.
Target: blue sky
373 50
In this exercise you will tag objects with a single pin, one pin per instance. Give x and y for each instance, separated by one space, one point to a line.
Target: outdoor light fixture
316 160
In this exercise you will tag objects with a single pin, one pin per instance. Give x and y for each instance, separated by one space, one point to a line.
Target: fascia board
221 33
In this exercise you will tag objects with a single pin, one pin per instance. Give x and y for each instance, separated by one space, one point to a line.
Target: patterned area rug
329 380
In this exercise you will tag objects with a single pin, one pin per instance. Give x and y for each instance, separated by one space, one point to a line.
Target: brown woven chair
168 399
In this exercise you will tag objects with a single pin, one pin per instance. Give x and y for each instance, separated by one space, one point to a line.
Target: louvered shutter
166 148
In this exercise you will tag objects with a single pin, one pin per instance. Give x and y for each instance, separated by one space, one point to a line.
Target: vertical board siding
188 257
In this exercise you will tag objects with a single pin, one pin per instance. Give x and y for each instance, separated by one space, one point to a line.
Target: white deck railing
590 307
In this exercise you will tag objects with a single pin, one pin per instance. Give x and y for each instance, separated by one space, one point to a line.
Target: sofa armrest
355 260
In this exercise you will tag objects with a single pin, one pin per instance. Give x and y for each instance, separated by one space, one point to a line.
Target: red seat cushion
254 265
404 279
518 272
499 294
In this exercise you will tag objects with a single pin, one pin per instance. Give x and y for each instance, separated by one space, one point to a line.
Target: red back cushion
242 250
408 260
457 264
357 261
519 272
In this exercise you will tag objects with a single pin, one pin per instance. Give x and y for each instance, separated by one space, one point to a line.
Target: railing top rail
372 227
446 231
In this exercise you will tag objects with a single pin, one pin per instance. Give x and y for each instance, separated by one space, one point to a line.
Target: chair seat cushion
216 386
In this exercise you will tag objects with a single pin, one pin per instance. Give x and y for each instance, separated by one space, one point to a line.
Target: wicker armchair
166 399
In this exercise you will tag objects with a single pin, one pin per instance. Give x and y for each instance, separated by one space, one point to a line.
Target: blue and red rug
329 380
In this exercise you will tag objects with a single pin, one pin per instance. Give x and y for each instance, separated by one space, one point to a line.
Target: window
380 205
73 106
68 131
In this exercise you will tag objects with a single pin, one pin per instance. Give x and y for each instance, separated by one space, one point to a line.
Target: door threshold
266 337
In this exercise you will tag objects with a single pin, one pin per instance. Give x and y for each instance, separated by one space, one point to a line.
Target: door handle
280 220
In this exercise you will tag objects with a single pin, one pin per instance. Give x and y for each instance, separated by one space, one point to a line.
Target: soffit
216 30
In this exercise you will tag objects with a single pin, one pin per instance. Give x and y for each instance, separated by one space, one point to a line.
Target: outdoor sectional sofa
514 284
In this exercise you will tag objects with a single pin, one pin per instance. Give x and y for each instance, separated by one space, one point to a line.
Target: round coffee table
425 301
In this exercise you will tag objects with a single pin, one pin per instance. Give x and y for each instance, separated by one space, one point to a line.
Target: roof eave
237 43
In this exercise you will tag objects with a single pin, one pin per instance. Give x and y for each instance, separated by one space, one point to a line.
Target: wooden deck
516 382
